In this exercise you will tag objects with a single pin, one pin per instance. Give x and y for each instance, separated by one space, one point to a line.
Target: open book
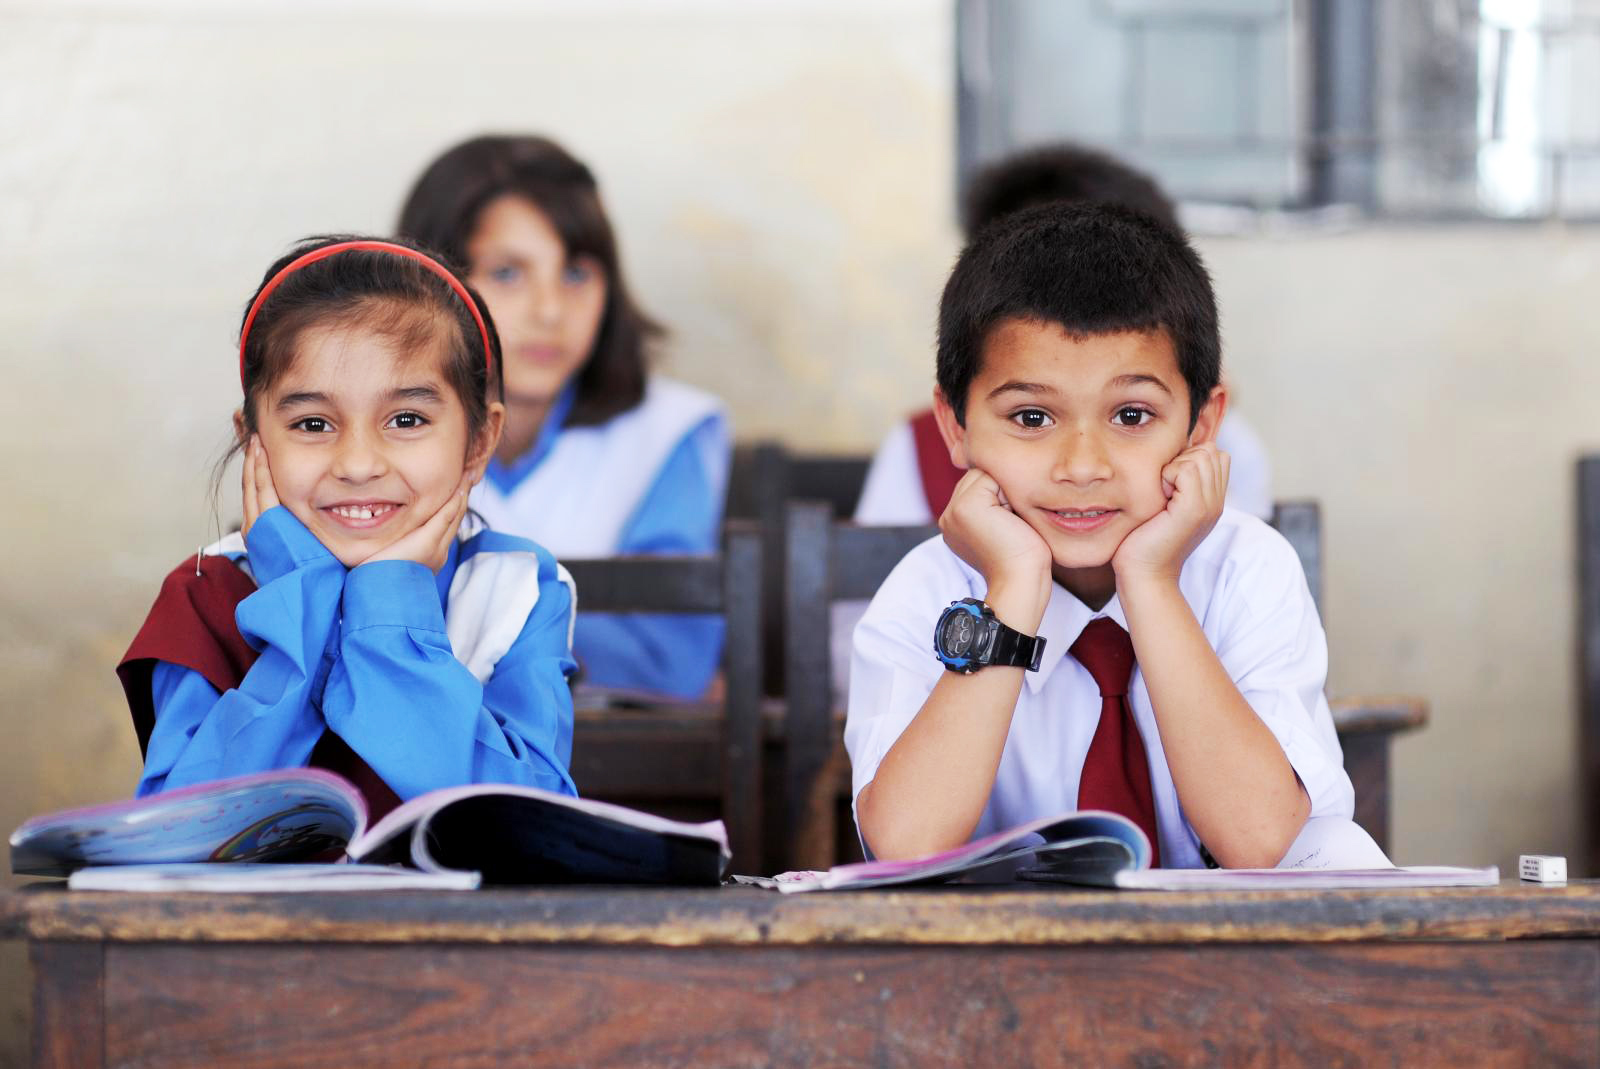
1091 846
509 834
1099 849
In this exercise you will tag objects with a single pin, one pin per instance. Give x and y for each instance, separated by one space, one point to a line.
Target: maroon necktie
1115 775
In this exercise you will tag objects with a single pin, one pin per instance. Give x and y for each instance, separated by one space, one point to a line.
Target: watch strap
1013 649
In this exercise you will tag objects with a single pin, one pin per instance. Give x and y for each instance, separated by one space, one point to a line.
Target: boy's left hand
1195 482
429 545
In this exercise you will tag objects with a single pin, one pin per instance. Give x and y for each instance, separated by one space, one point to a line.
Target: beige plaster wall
780 173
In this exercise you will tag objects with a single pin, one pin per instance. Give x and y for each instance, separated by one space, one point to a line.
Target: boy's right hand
259 492
1014 560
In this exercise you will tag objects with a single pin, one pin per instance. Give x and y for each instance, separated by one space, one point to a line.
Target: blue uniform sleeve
401 700
269 721
682 513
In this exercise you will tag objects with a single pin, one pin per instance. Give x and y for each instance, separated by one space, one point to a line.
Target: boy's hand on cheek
980 528
1195 482
429 545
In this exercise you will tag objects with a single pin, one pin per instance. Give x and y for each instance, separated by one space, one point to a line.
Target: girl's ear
241 433
950 429
1210 418
488 441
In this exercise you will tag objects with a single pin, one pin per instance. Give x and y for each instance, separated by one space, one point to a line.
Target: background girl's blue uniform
367 653
649 481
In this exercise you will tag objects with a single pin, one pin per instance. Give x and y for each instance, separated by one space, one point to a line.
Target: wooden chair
763 479
684 760
1589 663
826 561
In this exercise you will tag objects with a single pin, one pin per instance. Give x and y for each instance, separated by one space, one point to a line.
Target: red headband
375 246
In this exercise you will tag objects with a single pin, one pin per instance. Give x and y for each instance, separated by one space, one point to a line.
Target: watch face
957 634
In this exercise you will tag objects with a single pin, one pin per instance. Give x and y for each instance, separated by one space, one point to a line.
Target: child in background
911 476
362 620
1106 635
599 458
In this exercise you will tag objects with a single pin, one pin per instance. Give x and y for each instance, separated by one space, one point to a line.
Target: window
1402 108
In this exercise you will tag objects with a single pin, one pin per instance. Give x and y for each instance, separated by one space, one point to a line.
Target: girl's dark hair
442 212
387 292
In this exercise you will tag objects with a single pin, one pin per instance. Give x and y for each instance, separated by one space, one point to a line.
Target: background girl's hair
442 212
390 294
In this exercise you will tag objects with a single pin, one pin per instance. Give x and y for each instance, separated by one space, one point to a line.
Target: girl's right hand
259 493
1012 557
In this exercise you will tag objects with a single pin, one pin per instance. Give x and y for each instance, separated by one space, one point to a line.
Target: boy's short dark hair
1089 268
1059 172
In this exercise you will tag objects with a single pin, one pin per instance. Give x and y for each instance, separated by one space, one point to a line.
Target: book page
259 877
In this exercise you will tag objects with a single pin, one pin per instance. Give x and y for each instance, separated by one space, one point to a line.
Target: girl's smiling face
366 441
546 304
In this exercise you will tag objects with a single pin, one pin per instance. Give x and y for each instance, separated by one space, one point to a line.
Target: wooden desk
950 977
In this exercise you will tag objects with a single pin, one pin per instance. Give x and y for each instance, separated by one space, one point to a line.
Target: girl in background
362 620
599 457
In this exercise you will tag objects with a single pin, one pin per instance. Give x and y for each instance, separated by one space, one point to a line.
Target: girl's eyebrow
424 394
295 400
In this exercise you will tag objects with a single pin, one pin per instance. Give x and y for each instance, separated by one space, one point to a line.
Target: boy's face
1076 431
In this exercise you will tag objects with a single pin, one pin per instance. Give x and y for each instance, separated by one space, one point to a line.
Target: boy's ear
488 441
950 429
1211 413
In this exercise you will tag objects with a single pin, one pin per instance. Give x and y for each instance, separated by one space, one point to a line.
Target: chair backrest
764 478
824 561
1589 659
1301 523
728 583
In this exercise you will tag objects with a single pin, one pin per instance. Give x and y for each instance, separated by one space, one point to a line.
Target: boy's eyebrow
1021 387
416 393
1139 379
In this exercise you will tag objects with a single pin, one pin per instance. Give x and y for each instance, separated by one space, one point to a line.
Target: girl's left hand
1196 483
429 545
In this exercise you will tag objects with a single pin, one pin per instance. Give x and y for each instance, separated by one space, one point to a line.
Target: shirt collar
506 477
1065 617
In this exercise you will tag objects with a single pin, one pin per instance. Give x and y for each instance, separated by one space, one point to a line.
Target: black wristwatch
969 636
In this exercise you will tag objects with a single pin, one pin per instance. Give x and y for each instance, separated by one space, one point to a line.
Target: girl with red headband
600 457
363 620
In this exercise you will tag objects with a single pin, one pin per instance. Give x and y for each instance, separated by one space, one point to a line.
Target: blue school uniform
431 680
650 480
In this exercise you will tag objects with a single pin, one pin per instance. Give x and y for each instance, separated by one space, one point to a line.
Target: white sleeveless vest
577 502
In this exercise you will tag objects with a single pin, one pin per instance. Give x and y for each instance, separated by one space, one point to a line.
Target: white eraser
1542 868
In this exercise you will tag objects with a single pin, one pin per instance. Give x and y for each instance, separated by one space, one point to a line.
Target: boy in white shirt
1079 384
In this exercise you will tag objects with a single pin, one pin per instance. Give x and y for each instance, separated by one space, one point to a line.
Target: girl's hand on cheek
1196 483
259 492
429 545
980 528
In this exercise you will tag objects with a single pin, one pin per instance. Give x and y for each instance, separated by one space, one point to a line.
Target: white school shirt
892 495
1249 593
